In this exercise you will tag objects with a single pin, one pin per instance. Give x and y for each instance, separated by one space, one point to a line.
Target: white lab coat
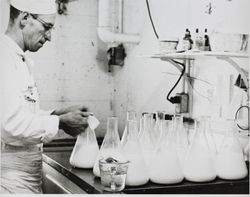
24 127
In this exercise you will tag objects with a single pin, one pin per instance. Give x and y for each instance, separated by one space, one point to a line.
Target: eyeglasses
46 25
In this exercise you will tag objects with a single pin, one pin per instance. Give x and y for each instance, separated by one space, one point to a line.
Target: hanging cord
149 13
175 99
172 99
236 114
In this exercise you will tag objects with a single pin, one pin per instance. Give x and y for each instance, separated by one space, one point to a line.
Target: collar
13 46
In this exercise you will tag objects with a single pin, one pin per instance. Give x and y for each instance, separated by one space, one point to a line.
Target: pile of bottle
200 41
162 151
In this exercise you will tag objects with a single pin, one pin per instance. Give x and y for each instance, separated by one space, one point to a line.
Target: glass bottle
159 126
182 137
210 136
165 167
229 162
131 115
137 172
206 41
111 145
86 144
199 165
151 126
145 138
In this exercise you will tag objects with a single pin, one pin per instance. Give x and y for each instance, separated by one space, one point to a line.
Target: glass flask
210 136
111 145
159 126
85 150
182 137
137 172
165 167
229 162
131 115
146 138
151 125
199 166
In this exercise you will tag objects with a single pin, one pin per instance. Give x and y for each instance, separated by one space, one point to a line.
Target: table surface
85 179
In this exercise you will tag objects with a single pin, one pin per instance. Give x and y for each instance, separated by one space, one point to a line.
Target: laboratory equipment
131 115
165 167
159 126
229 162
113 174
199 166
146 138
210 136
137 172
111 145
86 147
85 150
182 137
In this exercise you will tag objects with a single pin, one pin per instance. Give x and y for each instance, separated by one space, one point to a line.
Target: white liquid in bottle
230 166
199 167
165 168
86 156
137 172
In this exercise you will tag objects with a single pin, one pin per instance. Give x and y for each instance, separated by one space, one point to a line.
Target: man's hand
66 110
74 123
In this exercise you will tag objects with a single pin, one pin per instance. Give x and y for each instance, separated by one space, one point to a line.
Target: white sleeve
17 121
46 112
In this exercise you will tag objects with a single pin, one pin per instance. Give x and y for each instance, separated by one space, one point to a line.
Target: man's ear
24 16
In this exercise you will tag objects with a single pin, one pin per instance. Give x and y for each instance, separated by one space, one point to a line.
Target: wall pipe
104 28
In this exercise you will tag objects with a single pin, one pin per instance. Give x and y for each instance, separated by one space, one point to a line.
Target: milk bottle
210 137
159 126
199 165
137 172
229 162
85 150
181 137
111 145
86 147
165 165
145 138
131 115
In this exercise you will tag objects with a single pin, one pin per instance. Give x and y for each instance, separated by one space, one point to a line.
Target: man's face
38 31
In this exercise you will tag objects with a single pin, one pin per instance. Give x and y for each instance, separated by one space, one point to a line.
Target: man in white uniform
24 127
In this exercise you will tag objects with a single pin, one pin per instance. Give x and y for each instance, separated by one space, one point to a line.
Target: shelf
191 55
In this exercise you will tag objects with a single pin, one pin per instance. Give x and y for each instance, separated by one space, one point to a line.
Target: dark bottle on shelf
187 41
206 42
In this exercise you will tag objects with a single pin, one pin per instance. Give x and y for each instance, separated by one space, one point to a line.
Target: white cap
35 6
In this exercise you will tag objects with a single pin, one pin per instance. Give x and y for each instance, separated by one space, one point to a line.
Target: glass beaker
113 174
111 145
131 115
86 144
182 137
199 166
158 127
229 162
145 138
137 172
165 167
